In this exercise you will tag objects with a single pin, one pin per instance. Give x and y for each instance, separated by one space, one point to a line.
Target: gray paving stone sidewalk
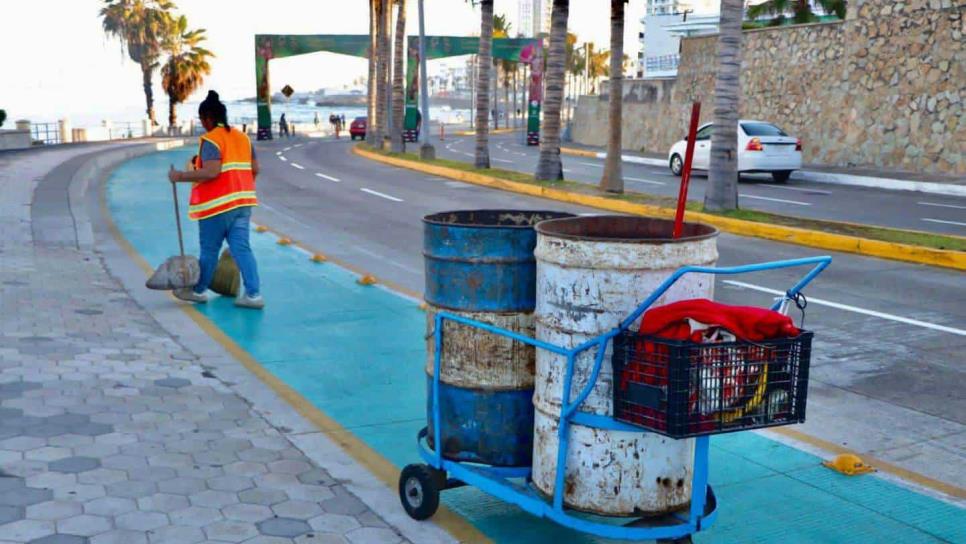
113 433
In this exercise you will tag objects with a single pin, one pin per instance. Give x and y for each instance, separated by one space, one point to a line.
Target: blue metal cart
420 485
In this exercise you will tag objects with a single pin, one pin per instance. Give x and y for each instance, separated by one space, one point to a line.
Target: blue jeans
233 226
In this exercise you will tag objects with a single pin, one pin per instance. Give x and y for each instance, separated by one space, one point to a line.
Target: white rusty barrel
591 273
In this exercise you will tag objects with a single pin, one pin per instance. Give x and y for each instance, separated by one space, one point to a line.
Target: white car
762 147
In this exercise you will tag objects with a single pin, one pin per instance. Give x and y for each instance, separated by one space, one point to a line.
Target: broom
227 279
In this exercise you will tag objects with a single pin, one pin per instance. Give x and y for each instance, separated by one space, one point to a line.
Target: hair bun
213 96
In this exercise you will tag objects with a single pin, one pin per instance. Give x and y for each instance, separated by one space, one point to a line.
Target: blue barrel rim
536 217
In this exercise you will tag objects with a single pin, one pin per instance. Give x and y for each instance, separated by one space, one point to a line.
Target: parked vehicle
762 147
357 129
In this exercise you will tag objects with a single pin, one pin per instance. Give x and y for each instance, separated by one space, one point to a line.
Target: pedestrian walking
283 127
222 198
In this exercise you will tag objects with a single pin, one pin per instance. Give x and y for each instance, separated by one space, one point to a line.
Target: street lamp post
426 150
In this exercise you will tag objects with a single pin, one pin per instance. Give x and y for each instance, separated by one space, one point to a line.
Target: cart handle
821 263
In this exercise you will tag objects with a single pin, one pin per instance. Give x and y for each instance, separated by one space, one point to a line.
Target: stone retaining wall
884 88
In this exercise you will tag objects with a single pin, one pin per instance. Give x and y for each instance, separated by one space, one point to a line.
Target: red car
357 129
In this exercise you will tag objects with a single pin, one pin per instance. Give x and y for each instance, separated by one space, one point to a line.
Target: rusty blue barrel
480 265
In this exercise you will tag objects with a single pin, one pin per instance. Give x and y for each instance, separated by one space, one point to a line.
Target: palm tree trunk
386 80
549 167
371 84
398 110
722 193
380 106
516 90
172 115
484 65
147 73
613 180
506 99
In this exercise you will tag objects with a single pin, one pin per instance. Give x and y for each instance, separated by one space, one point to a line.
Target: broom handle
177 216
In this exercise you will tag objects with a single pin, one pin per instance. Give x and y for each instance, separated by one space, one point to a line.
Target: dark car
357 129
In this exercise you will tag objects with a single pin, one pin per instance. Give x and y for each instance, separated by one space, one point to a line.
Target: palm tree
186 67
141 26
501 29
385 79
371 87
377 126
801 10
549 167
613 179
398 107
484 64
598 68
722 193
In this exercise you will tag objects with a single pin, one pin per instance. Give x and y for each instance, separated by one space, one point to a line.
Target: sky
59 63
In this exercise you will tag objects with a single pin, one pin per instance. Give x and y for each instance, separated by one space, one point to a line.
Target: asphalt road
898 209
888 365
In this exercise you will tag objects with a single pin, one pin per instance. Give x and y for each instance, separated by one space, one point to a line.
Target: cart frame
496 481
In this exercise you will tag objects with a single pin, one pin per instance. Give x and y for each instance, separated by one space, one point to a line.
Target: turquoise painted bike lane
357 354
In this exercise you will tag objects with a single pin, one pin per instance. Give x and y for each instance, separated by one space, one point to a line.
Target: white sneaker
188 294
245 301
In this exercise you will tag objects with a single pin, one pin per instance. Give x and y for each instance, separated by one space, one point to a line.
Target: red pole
686 174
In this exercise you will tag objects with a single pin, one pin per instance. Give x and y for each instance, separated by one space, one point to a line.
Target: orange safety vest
235 185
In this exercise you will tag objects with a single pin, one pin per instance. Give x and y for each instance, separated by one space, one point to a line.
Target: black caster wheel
419 488
682 540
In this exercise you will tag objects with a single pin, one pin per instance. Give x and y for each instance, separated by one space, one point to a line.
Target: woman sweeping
222 197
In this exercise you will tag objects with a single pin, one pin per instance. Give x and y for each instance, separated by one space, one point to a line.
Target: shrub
3 117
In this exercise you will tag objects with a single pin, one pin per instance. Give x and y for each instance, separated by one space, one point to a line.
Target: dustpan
179 271
226 279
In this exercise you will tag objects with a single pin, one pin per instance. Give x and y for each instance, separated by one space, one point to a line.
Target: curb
929 187
494 131
812 238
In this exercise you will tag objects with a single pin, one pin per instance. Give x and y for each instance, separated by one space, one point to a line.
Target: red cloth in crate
674 322
748 323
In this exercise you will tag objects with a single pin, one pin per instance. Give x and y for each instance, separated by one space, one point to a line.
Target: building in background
662 26
533 17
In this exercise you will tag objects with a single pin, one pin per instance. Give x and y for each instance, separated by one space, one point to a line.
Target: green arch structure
276 46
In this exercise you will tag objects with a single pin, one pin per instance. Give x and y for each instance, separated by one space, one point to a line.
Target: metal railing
45 133
663 62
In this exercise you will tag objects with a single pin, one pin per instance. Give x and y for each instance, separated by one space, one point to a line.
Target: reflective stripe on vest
234 186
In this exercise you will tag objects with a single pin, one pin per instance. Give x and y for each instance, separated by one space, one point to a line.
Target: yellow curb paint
496 131
457 526
769 231
578 152
883 466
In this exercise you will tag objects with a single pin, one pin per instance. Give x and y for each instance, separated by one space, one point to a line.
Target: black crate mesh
683 389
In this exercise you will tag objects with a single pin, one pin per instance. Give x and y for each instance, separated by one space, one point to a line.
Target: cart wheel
419 487
682 540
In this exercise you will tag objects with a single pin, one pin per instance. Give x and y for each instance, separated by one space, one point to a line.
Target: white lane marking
455 184
502 160
278 152
289 148
382 258
282 157
941 205
589 214
594 164
382 195
467 154
566 170
782 200
854 309
944 222
799 189
298 145
640 180
297 165
330 178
